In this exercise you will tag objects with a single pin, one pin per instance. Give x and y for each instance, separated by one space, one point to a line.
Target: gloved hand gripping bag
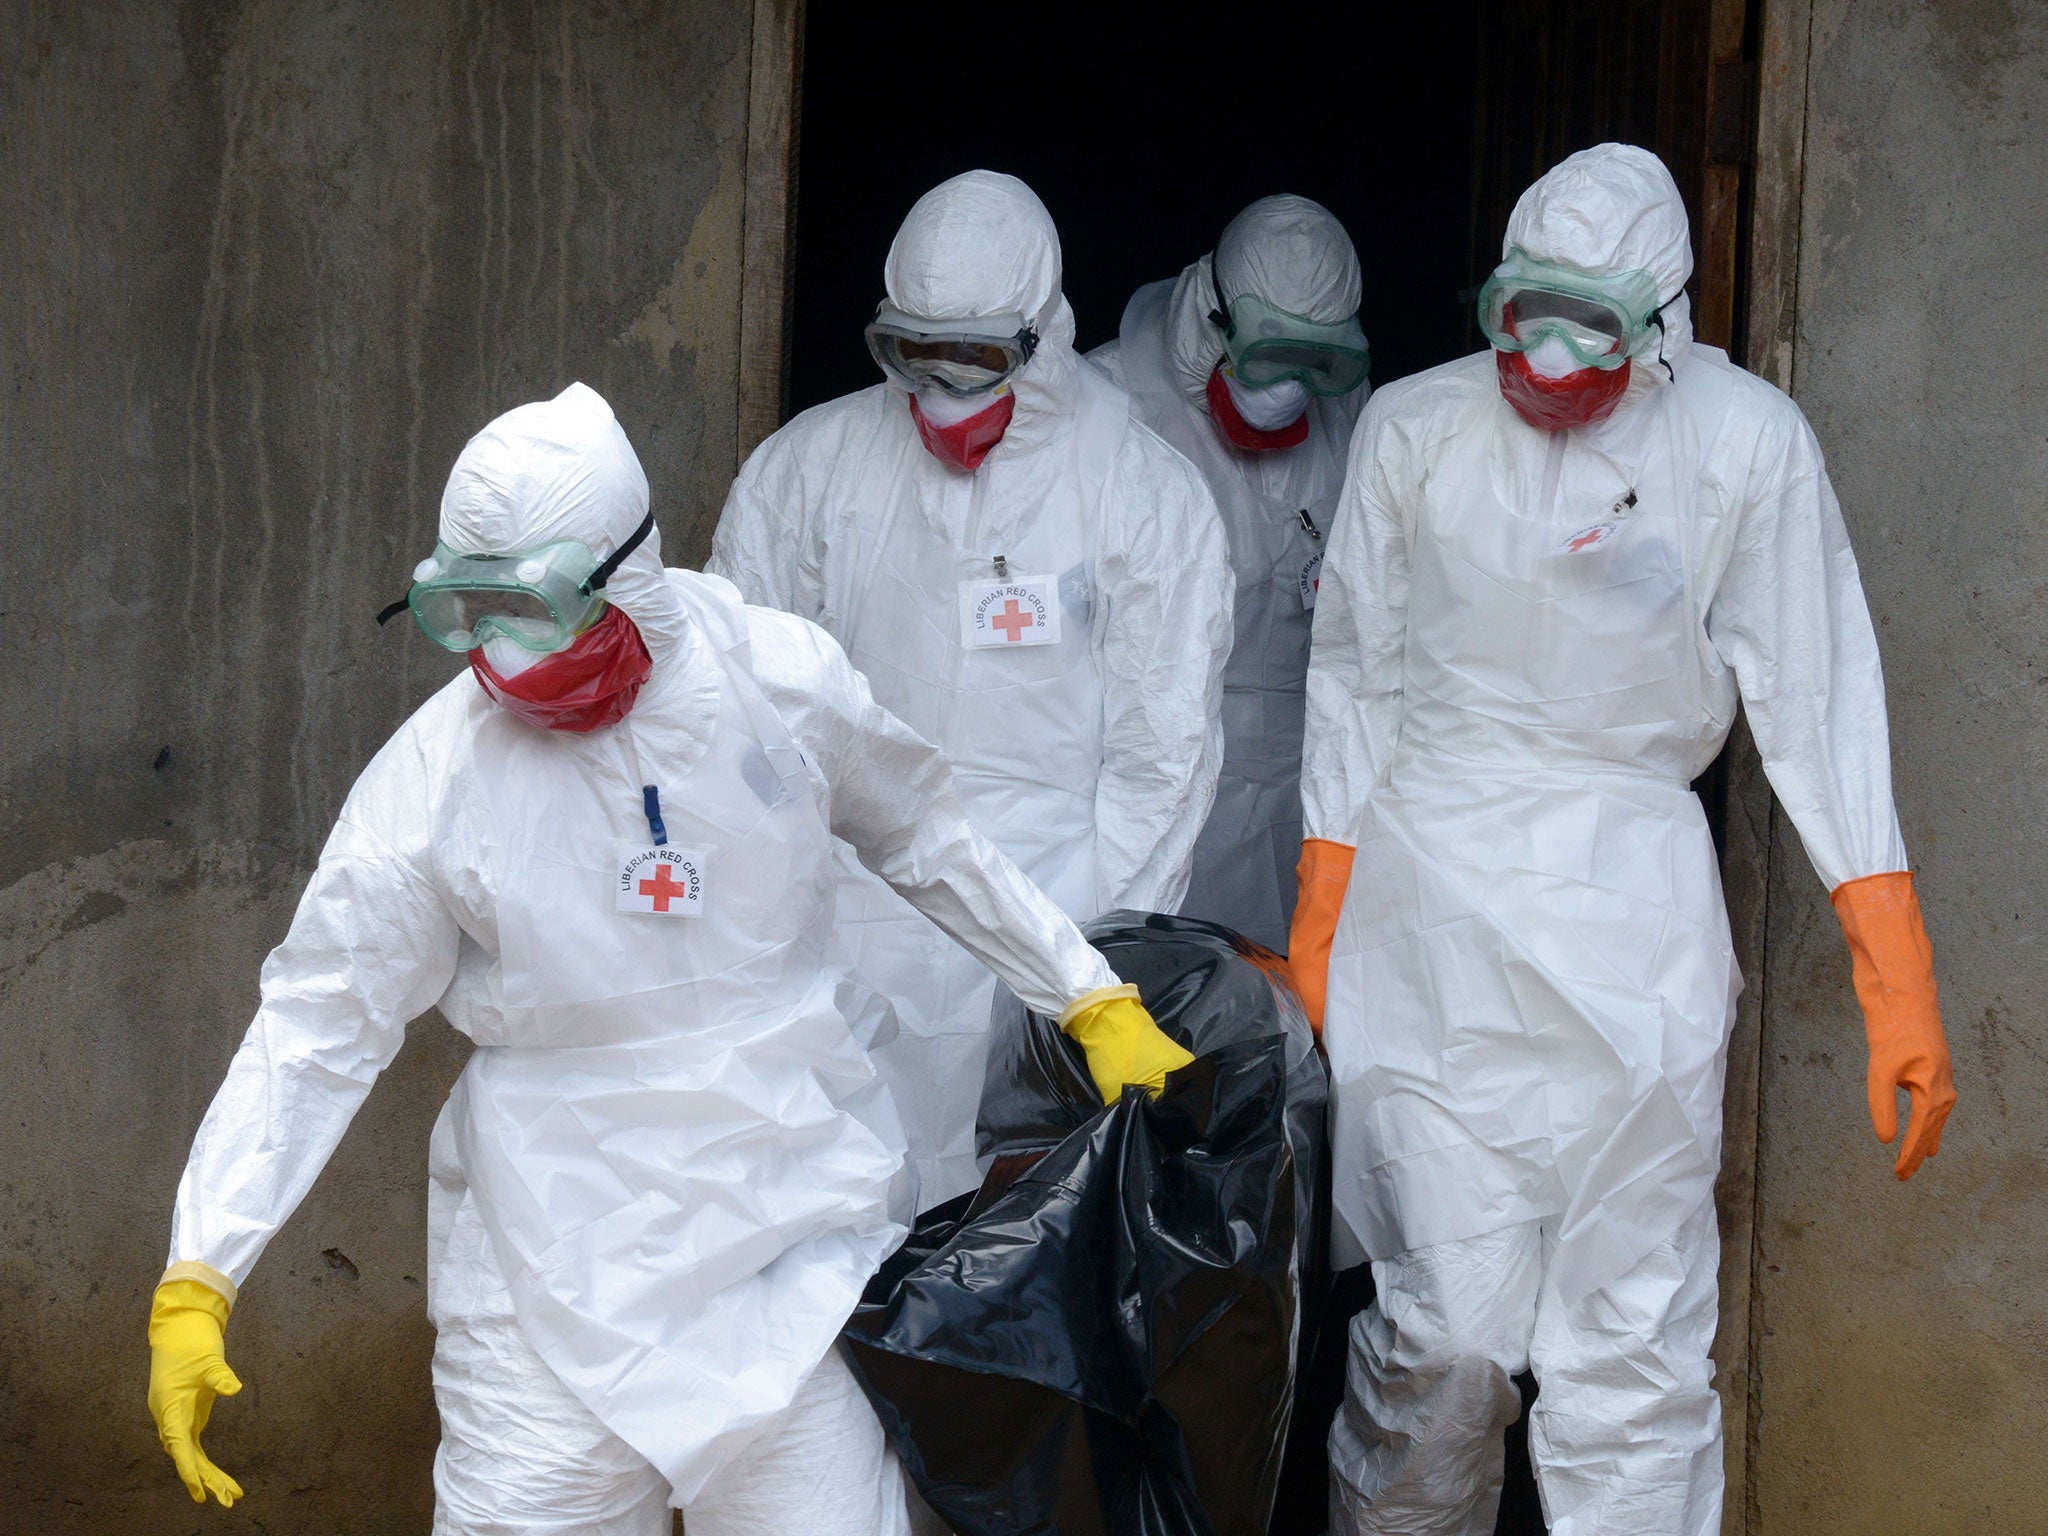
1105 1337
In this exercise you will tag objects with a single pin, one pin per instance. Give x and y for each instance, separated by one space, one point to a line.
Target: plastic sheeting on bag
1104 1338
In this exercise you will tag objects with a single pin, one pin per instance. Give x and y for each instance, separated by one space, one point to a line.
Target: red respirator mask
1240 433
1575 399
591 682
965 443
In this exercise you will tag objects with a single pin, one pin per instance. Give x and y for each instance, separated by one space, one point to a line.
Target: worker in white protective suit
605 853
1556 568
1253 365
1028 577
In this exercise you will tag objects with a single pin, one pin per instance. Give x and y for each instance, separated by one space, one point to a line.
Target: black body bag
1106 1337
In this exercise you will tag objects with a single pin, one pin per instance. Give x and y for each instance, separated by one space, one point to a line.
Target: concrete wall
263 267
1898 1336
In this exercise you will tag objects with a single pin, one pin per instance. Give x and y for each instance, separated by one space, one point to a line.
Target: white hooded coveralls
1528 644
1276 507
668 1169
1091 762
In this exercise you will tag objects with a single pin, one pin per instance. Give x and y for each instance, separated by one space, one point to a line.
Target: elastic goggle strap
1220 315
1657 319
612 561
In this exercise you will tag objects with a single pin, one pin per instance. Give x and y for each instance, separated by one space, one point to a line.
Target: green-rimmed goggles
1603 321
1267 346
539 598
964 357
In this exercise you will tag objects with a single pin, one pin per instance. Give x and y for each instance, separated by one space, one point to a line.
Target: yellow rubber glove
1893 967
1121 1042
186 1371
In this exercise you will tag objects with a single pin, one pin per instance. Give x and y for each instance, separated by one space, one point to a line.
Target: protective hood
1289 251
983 244
562 469
1610 209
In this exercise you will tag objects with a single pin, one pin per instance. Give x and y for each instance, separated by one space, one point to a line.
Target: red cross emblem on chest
663 888
1012 621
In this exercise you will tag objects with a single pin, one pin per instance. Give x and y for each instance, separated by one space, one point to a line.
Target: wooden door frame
767 245
1762 285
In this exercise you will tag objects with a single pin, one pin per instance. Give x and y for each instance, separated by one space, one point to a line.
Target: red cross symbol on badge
1012 621
663 888
1586 540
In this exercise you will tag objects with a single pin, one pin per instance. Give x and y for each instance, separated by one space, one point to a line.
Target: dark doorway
1145 132
1143 136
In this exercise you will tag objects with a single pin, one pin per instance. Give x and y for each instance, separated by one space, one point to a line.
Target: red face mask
1578 399
965 444
1240 433
590 682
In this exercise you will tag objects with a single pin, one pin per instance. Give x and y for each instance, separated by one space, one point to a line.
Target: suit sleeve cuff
205 1274
1082 1004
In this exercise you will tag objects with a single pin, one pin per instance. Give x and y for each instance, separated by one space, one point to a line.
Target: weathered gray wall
263 267
1900 1334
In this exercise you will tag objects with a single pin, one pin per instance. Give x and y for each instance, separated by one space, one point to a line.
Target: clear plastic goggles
1267 345
539 598
1602 321
961 357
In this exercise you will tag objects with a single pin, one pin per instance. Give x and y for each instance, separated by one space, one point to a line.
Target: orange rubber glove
1893 965
1325 874
187 1371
